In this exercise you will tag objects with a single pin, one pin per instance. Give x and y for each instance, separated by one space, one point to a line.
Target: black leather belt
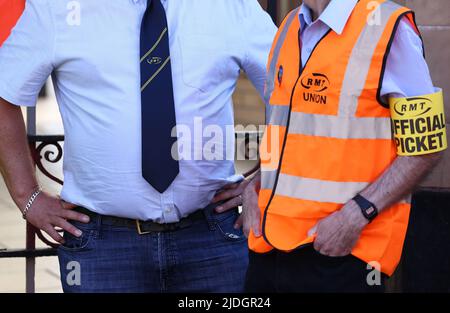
141 226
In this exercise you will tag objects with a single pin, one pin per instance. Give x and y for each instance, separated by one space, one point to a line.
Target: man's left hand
337 234
231 194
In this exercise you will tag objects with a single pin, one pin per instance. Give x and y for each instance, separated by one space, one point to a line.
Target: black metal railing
38 147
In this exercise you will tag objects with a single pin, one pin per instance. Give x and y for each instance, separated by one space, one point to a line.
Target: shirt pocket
206 62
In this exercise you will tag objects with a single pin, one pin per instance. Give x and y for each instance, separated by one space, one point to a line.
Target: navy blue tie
159 165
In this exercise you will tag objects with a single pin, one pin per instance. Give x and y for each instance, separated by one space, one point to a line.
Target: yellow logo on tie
154 60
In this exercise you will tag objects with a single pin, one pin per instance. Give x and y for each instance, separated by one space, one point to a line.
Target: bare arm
17 169
400 179
338 233
15 159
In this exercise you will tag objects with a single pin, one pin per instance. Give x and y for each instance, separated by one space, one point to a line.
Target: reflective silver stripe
270 81
340 127
278 115
268 178
361 59
315 189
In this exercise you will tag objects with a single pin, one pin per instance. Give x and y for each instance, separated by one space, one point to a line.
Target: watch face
370 211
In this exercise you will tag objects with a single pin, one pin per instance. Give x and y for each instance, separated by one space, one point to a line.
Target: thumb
256 228
239 222
312 231
256 231
67 205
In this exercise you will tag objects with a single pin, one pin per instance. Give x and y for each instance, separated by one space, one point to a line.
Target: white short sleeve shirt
91 50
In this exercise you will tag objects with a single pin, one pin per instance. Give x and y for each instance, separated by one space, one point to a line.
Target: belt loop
99 225
208 212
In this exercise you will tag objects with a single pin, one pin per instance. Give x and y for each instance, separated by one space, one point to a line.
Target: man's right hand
251 214
48 213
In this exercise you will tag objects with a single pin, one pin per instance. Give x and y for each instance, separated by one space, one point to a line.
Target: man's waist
133 198
144 227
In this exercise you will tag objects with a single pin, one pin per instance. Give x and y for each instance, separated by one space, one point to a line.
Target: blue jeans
208 256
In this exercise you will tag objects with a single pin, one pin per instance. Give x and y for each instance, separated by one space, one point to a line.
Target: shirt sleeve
407 73
26 56
259 34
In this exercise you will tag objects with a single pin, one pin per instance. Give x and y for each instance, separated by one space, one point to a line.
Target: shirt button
168 210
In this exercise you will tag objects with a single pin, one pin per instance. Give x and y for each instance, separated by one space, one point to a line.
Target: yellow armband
418 124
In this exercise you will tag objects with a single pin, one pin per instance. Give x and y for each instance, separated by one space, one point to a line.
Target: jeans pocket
77 244
225 227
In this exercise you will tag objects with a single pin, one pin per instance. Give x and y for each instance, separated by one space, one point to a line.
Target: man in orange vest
330 208
10 11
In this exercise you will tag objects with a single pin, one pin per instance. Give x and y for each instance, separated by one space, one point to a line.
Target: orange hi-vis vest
10 11
328 133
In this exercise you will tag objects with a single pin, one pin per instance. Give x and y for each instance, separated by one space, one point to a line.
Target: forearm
337 234
400 179
16 164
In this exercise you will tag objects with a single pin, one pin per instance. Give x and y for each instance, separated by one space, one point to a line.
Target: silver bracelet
30 203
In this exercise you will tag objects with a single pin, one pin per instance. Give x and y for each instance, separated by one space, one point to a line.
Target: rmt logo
316 82
413 107
315 85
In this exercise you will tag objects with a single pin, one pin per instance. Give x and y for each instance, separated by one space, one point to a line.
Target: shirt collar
335 16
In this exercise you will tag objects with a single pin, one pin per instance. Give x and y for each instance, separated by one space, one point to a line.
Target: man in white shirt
126 234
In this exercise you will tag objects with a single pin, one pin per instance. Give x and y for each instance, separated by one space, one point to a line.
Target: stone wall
433 17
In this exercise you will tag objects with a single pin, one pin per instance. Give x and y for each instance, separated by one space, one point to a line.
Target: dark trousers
305 270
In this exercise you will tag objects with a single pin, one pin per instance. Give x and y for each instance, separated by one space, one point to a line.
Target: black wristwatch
368 209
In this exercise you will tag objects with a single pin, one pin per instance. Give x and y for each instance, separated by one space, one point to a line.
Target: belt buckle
139 230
